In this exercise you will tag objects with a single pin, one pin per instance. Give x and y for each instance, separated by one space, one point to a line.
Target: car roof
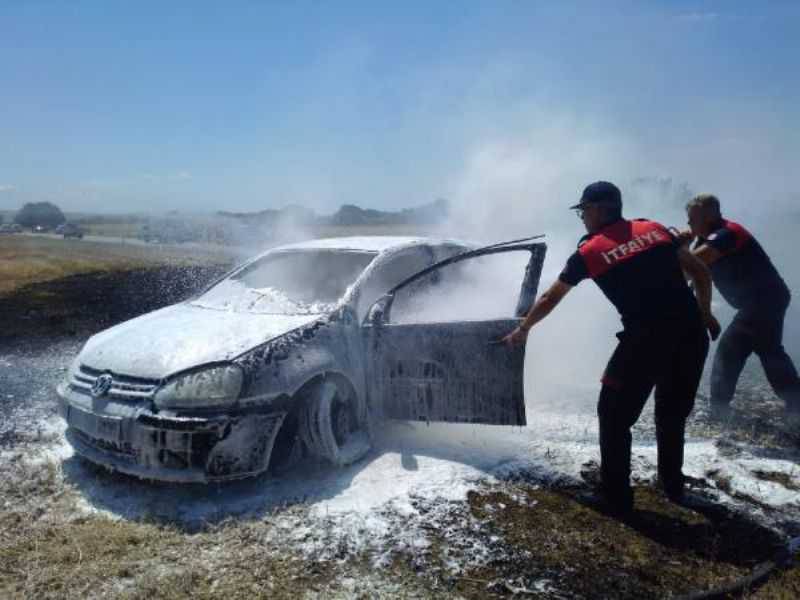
369 243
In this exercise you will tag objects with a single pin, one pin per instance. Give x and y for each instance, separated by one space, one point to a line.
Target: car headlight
213 387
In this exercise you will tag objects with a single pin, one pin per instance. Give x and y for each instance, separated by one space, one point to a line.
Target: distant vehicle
297 353
7 228
41 229
70 230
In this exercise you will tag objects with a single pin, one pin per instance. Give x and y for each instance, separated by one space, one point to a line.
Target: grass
98 556
783 479
48 549
539 539
26 259
662 550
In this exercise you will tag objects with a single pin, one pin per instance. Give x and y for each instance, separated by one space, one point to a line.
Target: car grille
122 387
121 451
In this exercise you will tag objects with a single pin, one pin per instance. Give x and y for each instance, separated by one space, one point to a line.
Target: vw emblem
101 385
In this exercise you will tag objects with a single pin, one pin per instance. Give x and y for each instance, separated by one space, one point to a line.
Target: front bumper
136 441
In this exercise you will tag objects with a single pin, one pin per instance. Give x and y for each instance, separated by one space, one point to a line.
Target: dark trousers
757 330
670 357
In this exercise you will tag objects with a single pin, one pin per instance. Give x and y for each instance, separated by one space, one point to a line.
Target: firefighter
639 266
749 282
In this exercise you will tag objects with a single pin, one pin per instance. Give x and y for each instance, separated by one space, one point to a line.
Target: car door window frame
424 251
380 311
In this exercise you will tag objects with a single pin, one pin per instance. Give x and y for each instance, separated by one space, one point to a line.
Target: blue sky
248 105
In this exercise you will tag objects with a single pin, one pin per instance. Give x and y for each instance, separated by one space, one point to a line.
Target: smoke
252 238
518 183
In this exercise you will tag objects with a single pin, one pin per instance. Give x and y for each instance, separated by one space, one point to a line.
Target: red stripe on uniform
741 235
621 242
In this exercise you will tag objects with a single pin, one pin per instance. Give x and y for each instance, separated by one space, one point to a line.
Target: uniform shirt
744 275
635 264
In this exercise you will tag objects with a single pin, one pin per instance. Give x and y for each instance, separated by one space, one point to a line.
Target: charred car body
300 351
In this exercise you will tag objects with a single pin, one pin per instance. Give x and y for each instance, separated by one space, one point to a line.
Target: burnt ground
82 304
541 540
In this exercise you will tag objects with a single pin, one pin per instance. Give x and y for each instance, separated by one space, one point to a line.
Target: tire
331 425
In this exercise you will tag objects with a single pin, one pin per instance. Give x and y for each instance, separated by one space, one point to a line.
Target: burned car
301 351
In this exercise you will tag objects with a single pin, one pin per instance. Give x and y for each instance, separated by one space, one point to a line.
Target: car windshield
289 283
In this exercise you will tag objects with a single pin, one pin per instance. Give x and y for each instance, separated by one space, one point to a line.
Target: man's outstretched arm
698 272
541 308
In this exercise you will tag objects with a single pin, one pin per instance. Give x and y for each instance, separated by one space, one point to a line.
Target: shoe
672 487
596 499
676 496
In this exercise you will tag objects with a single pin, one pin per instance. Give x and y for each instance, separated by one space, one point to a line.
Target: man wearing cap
639 266
747 279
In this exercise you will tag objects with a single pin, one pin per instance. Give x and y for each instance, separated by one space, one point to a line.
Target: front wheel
332 426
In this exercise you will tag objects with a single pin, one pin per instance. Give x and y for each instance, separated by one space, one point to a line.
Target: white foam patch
415 478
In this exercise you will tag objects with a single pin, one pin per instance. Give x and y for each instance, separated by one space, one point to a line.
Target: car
301 352
6 228
41 229
70 230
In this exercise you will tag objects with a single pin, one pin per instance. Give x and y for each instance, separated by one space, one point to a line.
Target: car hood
182 336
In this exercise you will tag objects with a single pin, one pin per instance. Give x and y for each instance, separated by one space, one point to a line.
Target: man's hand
516 337
541 308
713 326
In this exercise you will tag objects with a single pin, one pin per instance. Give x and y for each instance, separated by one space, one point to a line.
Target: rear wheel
331 424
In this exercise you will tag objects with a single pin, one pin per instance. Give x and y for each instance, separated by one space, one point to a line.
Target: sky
195 106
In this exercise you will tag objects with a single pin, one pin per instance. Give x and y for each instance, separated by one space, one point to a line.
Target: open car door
432 342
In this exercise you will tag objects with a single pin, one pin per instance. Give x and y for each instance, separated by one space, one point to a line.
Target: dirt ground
525 534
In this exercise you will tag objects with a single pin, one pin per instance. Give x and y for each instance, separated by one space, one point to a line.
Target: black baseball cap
600 192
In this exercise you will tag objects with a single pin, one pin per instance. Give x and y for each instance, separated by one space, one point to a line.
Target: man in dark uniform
747 279
639 266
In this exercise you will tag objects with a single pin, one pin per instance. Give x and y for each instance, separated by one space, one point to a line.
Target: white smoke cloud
521 182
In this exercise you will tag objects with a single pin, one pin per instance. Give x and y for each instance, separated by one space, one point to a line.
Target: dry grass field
53 546
28 259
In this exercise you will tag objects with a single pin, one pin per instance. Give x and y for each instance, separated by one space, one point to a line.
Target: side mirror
379 312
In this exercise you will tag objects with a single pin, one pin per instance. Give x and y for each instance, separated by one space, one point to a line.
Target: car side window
480 288
392 271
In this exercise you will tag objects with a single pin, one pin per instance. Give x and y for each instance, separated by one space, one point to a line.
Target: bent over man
639 266
747 279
